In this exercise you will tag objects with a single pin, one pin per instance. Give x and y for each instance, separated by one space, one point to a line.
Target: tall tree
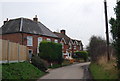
97 48
115 30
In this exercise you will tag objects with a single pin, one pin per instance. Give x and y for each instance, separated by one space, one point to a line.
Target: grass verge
103 71
23 70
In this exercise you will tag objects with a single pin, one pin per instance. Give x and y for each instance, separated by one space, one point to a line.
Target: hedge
50 51
81 54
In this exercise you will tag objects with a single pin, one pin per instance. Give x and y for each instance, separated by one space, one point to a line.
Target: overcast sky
80 18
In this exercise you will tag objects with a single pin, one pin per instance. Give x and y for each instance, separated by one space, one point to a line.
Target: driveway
75 71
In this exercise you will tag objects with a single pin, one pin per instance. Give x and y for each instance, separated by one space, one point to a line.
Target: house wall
17 38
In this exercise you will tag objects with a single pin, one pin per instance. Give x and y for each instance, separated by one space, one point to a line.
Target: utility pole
107 32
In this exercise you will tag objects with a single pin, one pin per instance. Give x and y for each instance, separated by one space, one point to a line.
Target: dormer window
74 47
70 46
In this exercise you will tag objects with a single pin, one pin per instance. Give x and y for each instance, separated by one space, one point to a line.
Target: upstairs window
56 41
39 40
74 47
48 39
62 45
70 46
29 41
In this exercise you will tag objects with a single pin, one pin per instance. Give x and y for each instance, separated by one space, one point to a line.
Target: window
39 40
48 39
56 41
29 41
74 47
62 45
70 46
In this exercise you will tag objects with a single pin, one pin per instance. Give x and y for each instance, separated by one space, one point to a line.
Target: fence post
18 52
8 51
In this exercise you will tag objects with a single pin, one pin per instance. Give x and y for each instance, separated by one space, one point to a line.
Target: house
69 46
27 32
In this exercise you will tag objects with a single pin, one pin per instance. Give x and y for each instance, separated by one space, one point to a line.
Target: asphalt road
75 71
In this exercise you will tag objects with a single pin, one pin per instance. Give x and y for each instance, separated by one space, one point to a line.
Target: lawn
22 71
105 71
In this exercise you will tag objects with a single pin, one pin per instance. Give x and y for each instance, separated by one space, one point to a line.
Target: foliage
39 63
20 71
81 54
97 48
105 71
115 30
52 52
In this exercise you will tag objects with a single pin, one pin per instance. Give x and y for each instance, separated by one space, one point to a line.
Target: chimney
35 19
5 21
62 31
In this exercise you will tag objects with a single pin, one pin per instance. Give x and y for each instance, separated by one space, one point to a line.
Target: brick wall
17 37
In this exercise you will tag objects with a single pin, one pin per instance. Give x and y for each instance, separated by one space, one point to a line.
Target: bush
52 52
82 54
39 63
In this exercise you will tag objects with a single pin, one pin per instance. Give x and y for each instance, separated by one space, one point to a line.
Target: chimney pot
5 21
63 32
35 19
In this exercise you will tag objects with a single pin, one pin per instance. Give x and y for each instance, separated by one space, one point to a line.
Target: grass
23 70
103 71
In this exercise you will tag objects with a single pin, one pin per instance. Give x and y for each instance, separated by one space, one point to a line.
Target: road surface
75 71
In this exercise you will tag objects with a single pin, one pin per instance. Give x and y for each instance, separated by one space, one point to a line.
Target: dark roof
60 35
27 26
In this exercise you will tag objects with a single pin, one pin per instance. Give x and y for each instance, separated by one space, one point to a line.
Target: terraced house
69 46
31 32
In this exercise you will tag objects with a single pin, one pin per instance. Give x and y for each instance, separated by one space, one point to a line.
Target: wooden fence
12 52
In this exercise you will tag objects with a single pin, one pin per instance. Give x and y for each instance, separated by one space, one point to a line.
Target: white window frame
70 45
48 39
74 47
62 45
39 40
29 41
56 41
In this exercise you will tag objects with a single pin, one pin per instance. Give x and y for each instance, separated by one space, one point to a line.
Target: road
75 71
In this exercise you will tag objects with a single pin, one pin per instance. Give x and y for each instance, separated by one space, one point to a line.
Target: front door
30 53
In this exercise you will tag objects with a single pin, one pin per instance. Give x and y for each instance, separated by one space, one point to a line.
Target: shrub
82 54
52 52
39 63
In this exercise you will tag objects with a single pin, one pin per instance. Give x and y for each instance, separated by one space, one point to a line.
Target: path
75 71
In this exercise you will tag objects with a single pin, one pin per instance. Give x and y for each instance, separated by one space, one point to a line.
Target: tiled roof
60 35
67 39
27 26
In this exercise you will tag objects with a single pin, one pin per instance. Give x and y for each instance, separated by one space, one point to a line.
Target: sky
80 18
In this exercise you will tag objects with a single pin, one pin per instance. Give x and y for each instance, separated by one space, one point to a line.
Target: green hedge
81 54
52 52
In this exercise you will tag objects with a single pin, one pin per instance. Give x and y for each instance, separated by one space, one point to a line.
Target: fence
12 52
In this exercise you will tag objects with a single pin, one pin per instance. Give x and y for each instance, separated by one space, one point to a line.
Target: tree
115 30
97 48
